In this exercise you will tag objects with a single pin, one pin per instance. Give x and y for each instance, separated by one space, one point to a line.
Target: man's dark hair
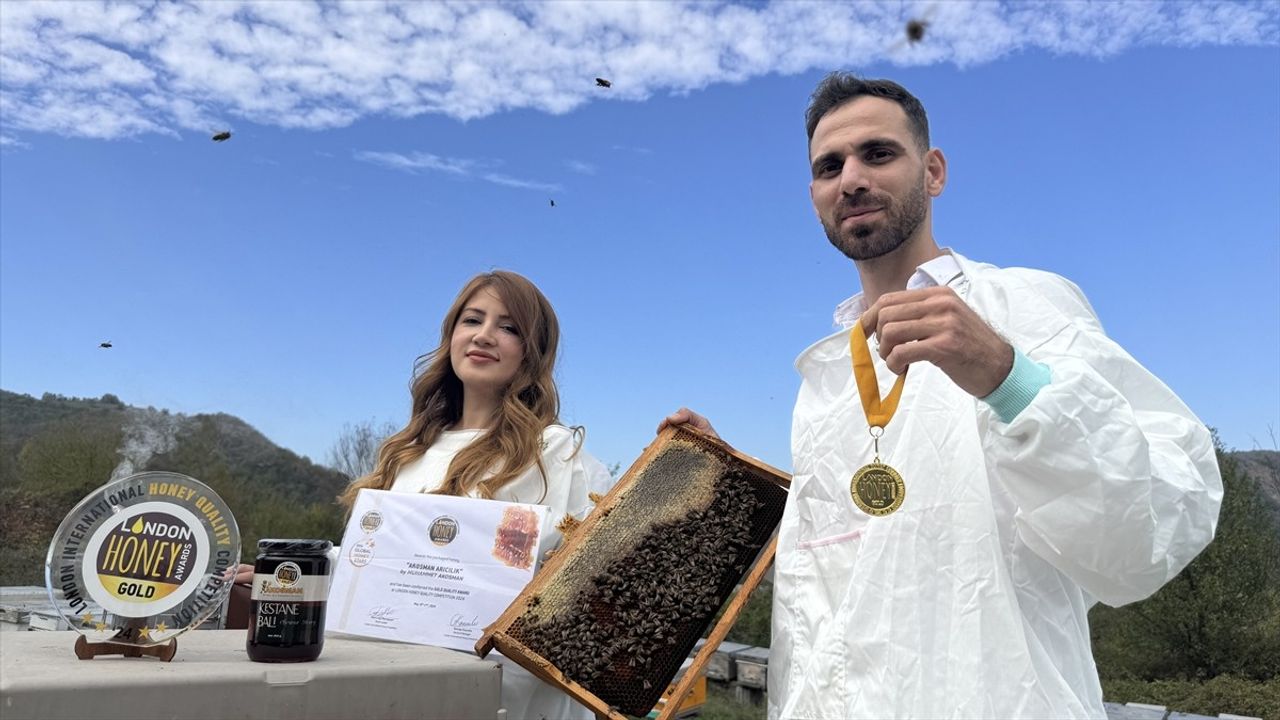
839 88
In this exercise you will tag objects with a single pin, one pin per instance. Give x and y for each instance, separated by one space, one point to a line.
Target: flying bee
915 29
601 82
222 136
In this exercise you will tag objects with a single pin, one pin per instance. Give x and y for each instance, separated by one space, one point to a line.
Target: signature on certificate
385 613
460 621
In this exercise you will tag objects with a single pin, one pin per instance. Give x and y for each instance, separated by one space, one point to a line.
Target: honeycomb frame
684 481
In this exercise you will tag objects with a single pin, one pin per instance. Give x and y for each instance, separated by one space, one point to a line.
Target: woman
485 416
485 424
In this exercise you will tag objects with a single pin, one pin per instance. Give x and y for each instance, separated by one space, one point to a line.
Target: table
211 678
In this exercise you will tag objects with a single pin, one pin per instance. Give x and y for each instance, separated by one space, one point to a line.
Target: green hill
1263 466
55 449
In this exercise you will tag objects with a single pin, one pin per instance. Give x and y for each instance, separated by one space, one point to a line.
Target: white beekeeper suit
971 599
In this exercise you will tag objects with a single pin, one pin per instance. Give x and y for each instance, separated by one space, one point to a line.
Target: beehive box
753 667
720 666
610 618
692 704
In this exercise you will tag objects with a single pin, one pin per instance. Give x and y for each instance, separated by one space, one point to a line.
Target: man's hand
685 415
935 325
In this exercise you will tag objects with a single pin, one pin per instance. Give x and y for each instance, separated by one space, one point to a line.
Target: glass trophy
141 560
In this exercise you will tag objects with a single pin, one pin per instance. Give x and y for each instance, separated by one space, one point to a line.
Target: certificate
431 569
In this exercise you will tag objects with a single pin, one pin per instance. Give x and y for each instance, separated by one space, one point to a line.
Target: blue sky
383 155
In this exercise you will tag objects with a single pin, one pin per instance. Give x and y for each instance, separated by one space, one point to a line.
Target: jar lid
296 546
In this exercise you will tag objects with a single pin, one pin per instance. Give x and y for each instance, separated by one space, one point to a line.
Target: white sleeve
575 470
572 474
1115 481
595 474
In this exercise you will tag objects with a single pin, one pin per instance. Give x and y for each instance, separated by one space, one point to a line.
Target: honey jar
287 603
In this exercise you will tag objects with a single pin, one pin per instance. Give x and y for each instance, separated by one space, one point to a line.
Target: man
1041 467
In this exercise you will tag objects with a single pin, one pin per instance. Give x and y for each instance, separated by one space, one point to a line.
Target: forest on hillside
54 450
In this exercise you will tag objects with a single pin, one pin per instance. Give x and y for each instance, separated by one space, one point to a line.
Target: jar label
286 625
290 585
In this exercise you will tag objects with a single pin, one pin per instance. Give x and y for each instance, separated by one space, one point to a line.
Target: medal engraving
877 489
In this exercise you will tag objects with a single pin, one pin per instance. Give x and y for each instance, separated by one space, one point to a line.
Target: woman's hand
685 415
242 574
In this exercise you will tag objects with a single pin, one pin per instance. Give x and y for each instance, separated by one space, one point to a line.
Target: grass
721 705
1223 694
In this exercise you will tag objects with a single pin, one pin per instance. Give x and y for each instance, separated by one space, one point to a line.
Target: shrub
1223 694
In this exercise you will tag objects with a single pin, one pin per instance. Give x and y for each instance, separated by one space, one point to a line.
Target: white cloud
12 143
417 161
582 168
458 167
108 70
500 179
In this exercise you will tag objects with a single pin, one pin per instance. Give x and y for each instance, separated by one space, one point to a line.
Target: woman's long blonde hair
529 404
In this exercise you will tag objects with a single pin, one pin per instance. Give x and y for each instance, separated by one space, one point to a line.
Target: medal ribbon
879 412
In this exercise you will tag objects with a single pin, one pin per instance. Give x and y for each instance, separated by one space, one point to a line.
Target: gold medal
877 489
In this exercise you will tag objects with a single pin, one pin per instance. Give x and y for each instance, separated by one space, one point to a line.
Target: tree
69 458
274 517
54 470
355 452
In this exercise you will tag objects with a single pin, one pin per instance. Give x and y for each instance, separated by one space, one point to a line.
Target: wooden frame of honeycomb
611 616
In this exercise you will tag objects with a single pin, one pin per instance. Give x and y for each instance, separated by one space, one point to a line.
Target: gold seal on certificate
877 489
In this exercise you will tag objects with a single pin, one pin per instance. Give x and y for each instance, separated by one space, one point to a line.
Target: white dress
570 477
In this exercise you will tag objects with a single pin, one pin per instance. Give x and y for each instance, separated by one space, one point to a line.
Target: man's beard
899 223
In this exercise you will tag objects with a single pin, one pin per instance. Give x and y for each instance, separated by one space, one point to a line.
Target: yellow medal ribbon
879 412
877 489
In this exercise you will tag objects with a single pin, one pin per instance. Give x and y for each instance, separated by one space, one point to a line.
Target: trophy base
86 650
